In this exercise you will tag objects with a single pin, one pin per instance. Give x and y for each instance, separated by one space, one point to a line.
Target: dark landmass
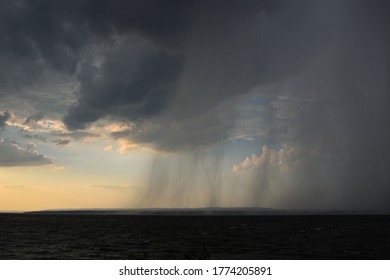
204 211
160 211
81 236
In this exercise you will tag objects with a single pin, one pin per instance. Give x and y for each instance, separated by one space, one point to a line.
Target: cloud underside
12 155
172 63
180 89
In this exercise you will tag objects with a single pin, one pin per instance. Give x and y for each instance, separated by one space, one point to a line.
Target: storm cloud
309 77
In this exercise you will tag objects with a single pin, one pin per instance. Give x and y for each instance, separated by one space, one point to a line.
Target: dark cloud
173 81
36 36
228 49
136 81
332 114
151 53
179 135
55 34
325 67
5 116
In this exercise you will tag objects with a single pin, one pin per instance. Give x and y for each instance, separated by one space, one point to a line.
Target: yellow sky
84 175
35 188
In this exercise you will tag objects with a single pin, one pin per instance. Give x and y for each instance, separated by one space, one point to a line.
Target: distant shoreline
199 211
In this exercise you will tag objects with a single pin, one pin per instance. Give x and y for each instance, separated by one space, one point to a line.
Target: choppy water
45 236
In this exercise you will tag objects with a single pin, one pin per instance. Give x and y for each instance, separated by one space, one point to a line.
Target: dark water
47 236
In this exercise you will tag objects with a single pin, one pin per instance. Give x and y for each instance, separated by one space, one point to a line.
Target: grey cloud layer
136 81
53 34
12 155
172 61
211 53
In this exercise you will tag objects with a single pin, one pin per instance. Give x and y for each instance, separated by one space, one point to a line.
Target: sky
128 104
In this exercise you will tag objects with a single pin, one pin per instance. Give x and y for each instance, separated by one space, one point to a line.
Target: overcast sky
154 103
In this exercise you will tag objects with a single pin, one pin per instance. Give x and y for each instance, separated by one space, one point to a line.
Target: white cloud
282 160
275 178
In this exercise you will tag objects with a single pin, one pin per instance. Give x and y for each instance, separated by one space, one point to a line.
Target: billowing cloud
11 154
172 62
272 176
161 84
172 89
282 160
135 81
